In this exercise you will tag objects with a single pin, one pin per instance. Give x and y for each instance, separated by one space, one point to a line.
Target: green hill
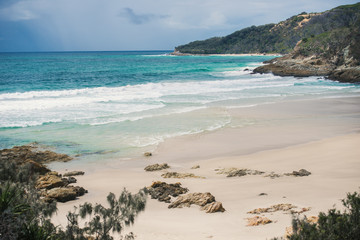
281 37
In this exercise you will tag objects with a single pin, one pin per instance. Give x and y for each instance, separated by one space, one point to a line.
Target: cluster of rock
236 172
51 185
340 64
239 172
274 208
285 207
156 167
164 191
300 173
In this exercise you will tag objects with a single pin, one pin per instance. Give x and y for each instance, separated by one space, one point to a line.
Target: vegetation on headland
316 44
333 225
277 38
25 213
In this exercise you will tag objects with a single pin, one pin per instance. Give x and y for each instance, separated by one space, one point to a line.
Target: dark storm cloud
139 18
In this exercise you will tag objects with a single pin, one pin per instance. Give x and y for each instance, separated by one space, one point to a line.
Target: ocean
118 105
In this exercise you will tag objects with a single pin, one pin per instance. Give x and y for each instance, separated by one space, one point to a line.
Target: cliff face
335 54
277 38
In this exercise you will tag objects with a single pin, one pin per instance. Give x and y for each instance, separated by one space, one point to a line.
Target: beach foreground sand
321 136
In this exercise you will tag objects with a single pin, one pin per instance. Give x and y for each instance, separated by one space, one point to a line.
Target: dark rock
162 191
156 167
73 173
351 75
80 191
286 66
237 173
148 154
263 194
301 173
70 180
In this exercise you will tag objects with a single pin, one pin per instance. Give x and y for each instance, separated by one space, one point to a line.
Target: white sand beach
321 136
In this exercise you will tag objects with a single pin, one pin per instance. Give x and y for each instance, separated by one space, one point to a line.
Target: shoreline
175 53
312 134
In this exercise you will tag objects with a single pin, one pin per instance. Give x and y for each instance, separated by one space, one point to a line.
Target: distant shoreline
175 53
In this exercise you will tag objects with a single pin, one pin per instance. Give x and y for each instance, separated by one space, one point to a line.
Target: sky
118 25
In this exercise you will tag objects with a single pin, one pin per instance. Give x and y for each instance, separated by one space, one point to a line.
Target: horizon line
79 51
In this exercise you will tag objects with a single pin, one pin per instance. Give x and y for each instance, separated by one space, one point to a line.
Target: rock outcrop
238 172
64 194
257 220
285 207
29 160
156 167
22 154
164 191
213 207
300 173
335 55
204 200
53 187
273 208
50 180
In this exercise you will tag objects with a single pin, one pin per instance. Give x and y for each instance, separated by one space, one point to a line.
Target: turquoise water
120 104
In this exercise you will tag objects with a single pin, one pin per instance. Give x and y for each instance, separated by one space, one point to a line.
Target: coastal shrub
333 225
102 221
13 172
23 213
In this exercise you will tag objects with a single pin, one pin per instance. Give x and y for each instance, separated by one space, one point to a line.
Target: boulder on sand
156 167
162 191
64 194
204 200
50 180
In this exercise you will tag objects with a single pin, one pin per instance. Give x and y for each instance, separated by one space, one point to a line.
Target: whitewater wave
104 105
